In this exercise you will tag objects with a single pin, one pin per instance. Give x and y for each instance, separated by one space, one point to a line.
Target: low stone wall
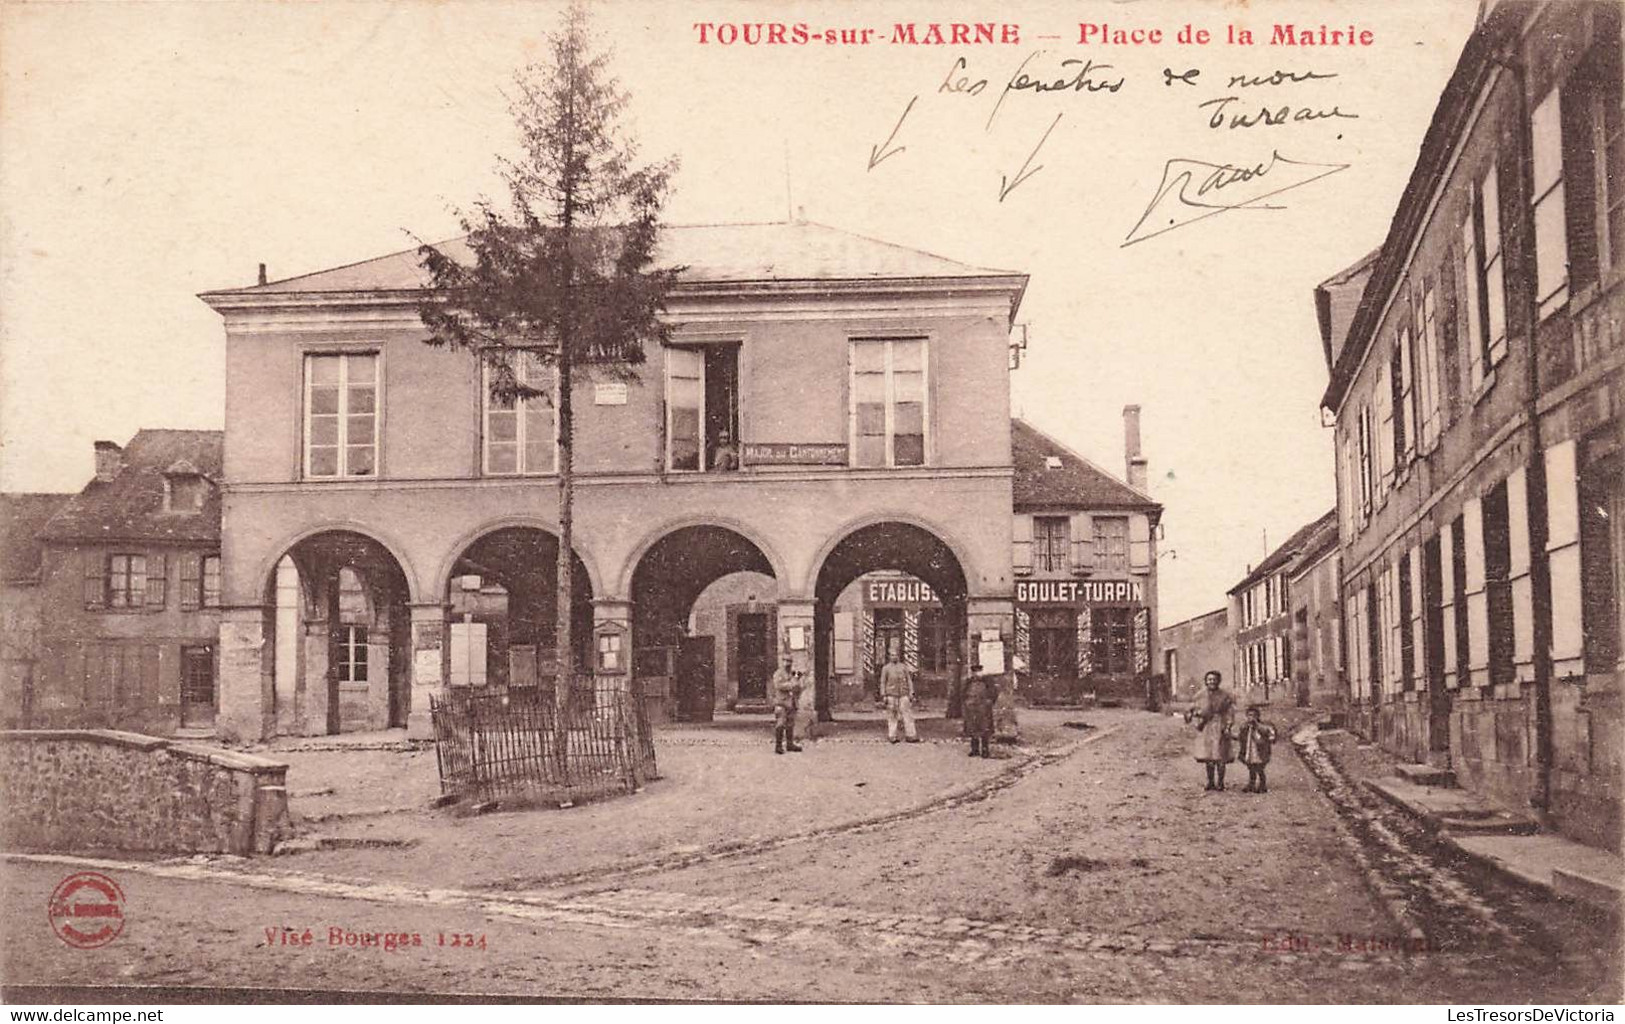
100 789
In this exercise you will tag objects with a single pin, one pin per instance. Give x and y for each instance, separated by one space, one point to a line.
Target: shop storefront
1082 637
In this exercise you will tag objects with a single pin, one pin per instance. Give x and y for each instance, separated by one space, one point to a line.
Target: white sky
152 151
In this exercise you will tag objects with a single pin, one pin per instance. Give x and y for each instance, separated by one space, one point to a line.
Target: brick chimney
1134 461
109 460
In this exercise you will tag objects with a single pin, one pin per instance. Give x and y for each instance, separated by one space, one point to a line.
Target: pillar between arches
428 668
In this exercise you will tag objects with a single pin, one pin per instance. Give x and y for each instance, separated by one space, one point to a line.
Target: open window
702 408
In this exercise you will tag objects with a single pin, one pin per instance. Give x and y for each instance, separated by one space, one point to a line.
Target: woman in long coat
1213 714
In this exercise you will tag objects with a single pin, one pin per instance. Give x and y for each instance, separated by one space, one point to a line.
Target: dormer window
185 488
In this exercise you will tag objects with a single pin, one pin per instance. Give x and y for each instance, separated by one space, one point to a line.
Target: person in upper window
726 458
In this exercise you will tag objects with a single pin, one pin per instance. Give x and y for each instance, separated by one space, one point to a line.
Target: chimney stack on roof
262 273
1131 448
109 460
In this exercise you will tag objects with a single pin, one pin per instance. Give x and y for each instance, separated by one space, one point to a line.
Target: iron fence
498 740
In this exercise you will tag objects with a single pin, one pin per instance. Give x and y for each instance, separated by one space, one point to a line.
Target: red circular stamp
87 910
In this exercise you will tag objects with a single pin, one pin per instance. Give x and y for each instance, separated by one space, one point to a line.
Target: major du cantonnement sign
779 454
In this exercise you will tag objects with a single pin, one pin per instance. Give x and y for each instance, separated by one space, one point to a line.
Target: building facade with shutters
1262 606
1085 558
828 406
129 592
1476 385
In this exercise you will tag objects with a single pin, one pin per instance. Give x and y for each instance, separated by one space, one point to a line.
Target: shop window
521 433
1111 543
1053 636
341 415
933 640
1052 539
889 408
1498 582
1112 639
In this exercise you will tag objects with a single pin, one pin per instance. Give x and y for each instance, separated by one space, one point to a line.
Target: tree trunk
564 645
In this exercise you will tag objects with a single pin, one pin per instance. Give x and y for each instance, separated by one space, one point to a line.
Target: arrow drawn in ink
878 154
1006 186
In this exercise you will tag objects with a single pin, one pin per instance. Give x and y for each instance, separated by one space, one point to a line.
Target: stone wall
99 789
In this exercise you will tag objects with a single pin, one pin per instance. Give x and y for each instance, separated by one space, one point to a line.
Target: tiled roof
21 518
1281 556
1075 483
131 505
796 251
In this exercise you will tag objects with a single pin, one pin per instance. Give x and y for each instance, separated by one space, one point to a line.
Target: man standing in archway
897 689
787 683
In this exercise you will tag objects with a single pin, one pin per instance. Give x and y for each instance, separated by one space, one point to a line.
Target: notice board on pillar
468 654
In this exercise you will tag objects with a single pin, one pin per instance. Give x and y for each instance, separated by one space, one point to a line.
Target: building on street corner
828 406
128 592
1476 387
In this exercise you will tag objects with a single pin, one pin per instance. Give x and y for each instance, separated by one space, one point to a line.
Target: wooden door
197 687
754 664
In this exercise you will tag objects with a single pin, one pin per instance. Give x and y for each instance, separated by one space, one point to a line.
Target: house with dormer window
129 592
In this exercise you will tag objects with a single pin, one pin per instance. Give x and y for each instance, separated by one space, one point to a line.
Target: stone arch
468 539
667 527
265 572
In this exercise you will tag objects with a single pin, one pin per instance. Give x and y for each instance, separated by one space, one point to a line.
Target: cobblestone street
1100 872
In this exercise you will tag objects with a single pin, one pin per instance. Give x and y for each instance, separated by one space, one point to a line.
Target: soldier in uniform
787 683
980 693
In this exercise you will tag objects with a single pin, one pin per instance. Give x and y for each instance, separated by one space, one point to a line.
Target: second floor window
1052 536
352 654
1111 543
889 409
521 434
1551 231
341 415
702 407
126 581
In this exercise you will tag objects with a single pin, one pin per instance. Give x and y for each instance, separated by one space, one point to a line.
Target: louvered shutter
191 582
1021 544
1139 543
1083 543
157 580
95 579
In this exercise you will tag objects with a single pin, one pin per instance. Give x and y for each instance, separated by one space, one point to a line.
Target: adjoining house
128 591
1263 612
1196 646
22 516
1313 596
828 406
1085 569
1476 386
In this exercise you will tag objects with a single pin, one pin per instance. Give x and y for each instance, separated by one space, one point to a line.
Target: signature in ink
1193 190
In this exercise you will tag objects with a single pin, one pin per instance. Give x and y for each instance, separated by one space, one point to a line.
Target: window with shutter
126 581
157 580
95 580
1021 544
191 582
211 581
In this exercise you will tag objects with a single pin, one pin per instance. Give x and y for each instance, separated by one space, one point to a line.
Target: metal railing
493 741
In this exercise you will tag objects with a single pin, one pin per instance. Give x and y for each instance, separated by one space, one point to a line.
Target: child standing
1253 742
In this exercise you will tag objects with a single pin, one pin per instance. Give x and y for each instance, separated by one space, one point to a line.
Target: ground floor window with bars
1112 640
